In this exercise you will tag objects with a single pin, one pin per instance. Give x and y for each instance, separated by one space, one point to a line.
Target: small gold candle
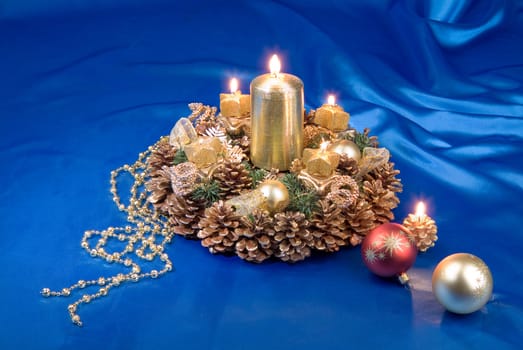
235 104
332 116
422 227
276 118
320 162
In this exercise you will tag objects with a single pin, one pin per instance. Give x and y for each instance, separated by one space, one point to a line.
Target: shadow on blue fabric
87 85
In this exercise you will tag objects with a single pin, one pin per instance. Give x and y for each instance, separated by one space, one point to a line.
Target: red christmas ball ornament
389 250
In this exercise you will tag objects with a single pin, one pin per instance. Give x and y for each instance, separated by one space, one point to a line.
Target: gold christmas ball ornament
276 195
347 148
462 283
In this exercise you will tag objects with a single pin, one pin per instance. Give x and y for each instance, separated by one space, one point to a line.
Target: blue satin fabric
86 86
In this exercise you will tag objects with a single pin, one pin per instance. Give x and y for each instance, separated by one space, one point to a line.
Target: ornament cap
403 278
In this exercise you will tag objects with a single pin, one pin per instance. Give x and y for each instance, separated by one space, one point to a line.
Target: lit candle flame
233 85
323 146
274 65
420 210
331 100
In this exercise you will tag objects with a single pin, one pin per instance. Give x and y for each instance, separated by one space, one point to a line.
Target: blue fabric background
87 85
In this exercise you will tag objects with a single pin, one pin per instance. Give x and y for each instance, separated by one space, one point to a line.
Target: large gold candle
276 118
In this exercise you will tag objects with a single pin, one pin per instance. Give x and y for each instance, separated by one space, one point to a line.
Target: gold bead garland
146 238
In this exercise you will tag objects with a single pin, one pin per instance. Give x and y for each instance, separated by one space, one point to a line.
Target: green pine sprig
208 192
256 174
179 157
301 199
363 140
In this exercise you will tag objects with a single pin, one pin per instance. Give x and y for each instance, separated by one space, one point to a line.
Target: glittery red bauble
389 250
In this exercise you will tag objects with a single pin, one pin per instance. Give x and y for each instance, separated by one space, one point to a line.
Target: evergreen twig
179 157
209 192
363 140
256 174
300 198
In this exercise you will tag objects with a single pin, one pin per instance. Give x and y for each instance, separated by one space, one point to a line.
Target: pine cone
348 166
387 174
161 155
244 143
424 231
217 228
329 228
159 188
183 214
383 201
292 237
232 177
254 243
360 219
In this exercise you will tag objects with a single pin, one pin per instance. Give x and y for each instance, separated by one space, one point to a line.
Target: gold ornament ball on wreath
462 283
276 195
346 148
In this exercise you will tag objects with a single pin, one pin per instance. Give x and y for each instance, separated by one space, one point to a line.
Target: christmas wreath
218 204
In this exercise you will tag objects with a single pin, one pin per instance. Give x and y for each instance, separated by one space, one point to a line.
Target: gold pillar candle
235 104
320 162
204 151
276 118
332 116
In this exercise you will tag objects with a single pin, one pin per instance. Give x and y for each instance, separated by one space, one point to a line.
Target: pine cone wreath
183 214
291 237
343 191
382 200
232 177
329 227
254 243
218 228
424 231
360 219
161 155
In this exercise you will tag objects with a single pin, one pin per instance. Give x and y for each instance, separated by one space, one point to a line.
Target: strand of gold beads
145 238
